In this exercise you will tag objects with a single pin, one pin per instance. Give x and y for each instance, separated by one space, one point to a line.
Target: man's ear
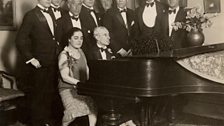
96 37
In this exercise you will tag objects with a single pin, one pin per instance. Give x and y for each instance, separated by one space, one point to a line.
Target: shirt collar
41 7
121 8
101 46
54 6
177 9
150 2
70 13
91 8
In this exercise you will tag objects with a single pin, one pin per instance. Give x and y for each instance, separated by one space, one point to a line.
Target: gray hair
97 30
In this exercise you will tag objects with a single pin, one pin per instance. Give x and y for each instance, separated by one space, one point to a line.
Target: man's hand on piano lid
124 53
129 52
128 123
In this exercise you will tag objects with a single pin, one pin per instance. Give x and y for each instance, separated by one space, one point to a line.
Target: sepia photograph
111 63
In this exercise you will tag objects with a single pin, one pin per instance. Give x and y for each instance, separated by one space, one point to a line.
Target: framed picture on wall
212 6
7 15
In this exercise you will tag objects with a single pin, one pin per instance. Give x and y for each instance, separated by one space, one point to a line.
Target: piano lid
184 52
208 65
148 76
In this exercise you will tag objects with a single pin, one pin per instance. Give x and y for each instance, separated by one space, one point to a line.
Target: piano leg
172 110
111 118
146 114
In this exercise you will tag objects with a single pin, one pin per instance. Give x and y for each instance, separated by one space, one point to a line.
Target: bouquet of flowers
194 20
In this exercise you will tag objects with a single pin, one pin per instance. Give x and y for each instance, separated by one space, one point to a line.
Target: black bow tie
75 18
124 10
91 10
55 9
45 10
102 49
172 11
151 4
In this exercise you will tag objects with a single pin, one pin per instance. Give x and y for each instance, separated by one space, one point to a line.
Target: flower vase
195 38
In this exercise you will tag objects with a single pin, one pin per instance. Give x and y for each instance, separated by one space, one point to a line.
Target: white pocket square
132 23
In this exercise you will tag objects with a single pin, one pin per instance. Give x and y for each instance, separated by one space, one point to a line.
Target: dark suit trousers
44 88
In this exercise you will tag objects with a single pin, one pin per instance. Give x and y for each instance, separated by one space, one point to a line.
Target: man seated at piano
100 50
73 69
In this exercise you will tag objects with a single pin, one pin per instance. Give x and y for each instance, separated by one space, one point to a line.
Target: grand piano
140 78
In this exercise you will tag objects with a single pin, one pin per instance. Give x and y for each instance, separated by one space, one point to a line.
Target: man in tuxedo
103 6
146 18
100 50
56 9
69 20
39 50
173 13
119 20
90 20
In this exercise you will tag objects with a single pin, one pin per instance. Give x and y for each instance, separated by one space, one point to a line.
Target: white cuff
27 62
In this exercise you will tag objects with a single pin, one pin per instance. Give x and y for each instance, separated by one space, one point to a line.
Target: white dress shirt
103 53
149 15
75 23
92 14
57 13
124 16
48 18
172 18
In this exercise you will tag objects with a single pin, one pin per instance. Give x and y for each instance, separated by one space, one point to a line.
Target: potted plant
194 24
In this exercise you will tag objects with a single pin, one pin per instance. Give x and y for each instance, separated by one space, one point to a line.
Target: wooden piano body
141 77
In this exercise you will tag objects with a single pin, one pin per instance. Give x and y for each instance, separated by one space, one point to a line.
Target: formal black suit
177 38
95 53
35 40
140 29
119 32
64 25
88 24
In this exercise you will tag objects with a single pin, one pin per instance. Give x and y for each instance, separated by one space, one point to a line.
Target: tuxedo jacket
140 29
177 38
95 53
119 32
35 39
64 25
88 24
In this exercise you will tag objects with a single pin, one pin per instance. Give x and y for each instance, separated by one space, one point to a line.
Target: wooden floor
193 120
183 119
187 120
